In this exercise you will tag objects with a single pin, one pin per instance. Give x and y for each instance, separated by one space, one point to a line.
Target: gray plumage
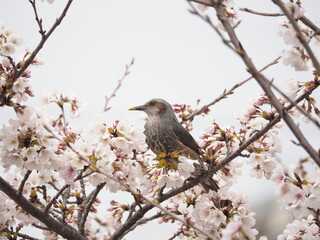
165 134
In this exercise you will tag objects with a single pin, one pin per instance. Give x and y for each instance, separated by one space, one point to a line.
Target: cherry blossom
68 173
296 58
295 8
58 167
303 229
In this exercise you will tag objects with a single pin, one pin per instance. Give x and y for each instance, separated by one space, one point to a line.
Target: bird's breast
161 138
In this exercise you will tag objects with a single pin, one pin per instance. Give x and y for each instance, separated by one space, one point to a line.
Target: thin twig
139 214
173 192
65 230
125 185
207 19
44 192
23 182
264 83
83 189
261 13
40 227
125 74
258 134
22 235
91 198
38 20
181 220
61 190
34 53
300 36
226 93
144 221
302 111
310 24
56 197
175 235
12 64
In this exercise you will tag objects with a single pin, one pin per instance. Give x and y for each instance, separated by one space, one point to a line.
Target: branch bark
261 80
88 203
30 59
226 93
64 230
300 36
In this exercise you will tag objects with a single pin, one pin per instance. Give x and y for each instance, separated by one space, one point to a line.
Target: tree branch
226 93
263 82
56 197
302 111
38 20
300 36
88 203
64 230
261 13
30 59
126 73
23 182
135 217
144 221
257 135
310 24
119 233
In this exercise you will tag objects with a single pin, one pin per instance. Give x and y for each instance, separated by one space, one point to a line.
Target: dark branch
56 197
300 36
23 182
125 74
261 13
88 203
64 230
310 24
226 93
43 40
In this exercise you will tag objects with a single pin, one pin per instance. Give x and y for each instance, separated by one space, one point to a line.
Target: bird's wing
186 139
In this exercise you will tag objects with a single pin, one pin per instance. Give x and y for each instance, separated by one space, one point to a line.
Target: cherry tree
54 174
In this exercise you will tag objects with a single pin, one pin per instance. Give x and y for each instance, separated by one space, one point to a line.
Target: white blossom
7 49
295 9
301 229
185 166
295 59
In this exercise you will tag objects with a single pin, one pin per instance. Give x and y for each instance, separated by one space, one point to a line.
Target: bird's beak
138 108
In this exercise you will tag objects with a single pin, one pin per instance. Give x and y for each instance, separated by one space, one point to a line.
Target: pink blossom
68 173
296 59
278 176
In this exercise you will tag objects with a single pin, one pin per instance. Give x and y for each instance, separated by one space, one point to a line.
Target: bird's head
155 107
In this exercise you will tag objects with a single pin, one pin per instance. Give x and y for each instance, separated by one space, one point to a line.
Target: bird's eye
152 103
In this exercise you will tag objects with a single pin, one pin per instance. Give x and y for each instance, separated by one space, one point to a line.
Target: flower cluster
13 90
61 101
308 105
295 56
231 10
184 112
301 229
61 169
8 41
215 213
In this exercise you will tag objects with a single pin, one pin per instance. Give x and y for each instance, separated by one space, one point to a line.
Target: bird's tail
210 184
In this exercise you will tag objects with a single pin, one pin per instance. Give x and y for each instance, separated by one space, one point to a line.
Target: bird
164 134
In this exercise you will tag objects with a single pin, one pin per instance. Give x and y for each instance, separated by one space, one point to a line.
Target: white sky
178 58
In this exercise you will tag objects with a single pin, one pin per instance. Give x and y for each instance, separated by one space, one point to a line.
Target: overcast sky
177 57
